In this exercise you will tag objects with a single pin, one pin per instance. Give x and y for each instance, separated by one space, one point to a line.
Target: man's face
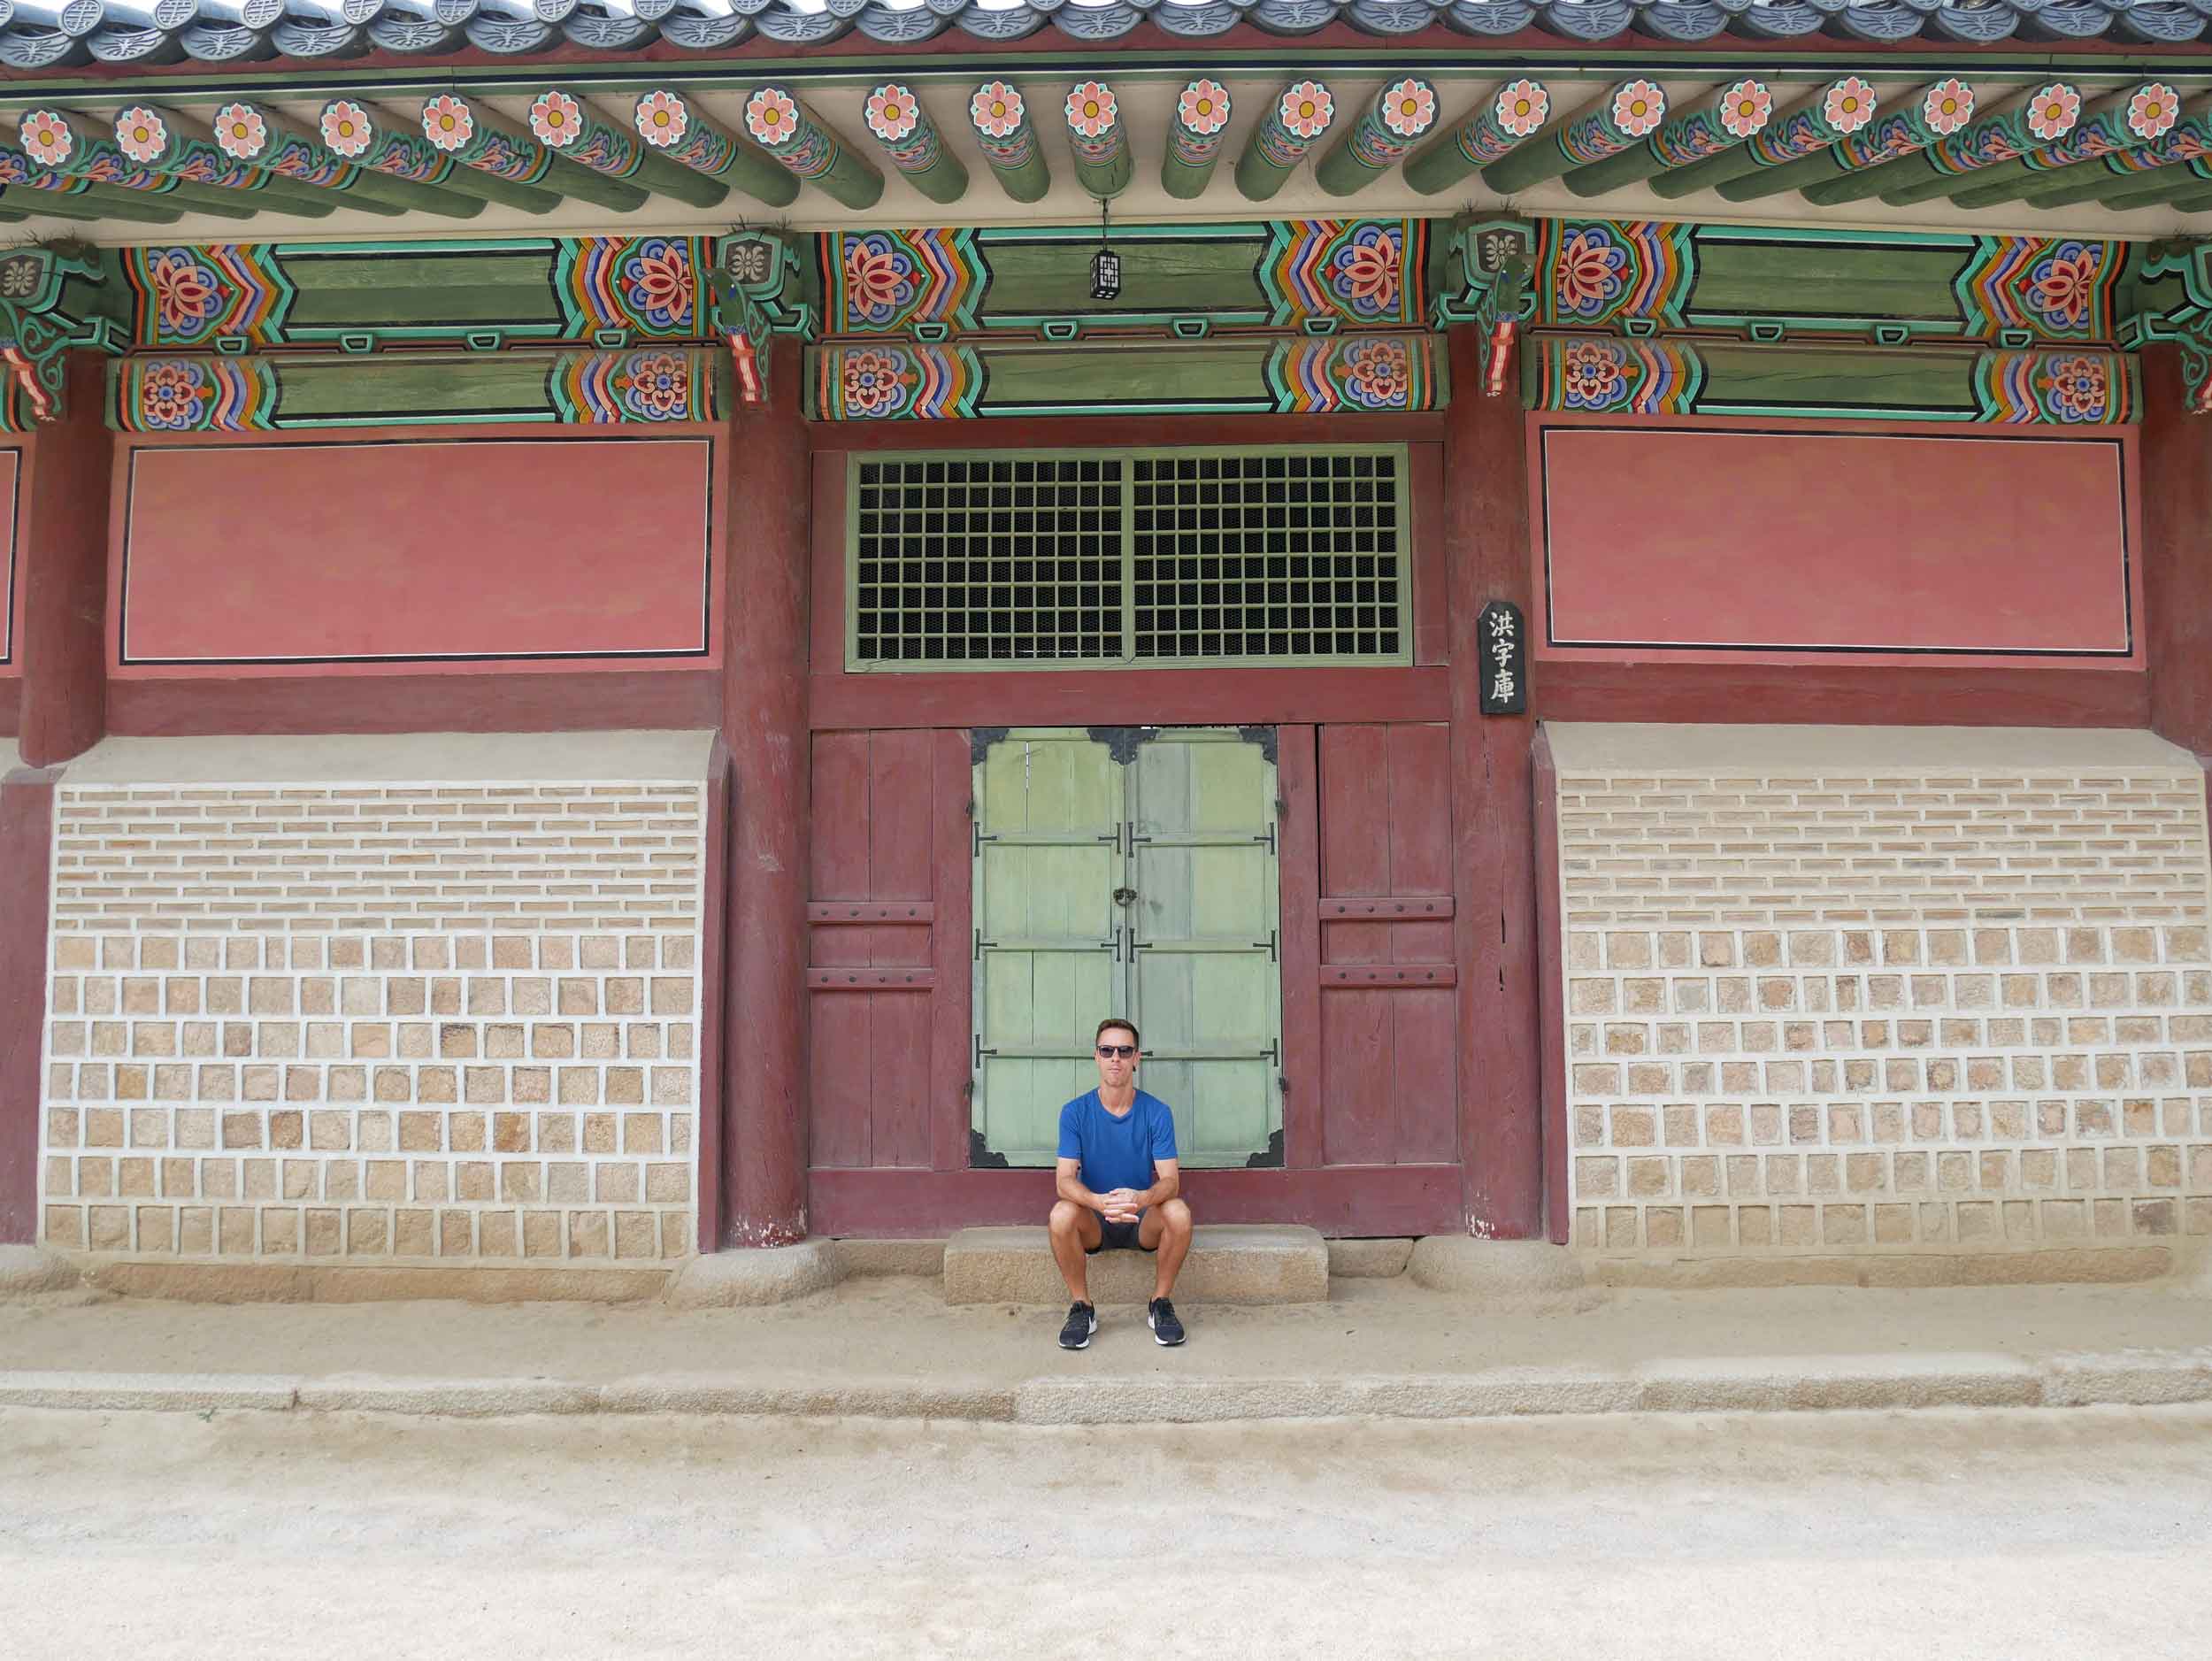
1116 1057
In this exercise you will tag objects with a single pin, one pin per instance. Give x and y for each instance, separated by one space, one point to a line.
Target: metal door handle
1124 896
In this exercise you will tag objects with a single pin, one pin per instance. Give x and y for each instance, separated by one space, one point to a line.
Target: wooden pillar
64 553
765 724
26 821
2176 458
1486 554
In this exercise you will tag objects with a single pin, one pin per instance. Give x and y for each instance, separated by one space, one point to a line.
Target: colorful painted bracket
1007 140
1824 116
1940 111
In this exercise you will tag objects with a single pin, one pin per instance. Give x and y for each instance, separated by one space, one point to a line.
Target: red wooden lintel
1394 908
870 979
1388 974
828 912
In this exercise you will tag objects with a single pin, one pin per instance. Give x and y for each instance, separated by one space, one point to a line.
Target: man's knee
1066 1215
1175 1216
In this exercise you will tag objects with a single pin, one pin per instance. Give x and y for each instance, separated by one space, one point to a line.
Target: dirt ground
1946 1533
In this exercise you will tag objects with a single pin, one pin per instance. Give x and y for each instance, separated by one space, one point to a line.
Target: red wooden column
2176 458
765 724
64 554
27 821
1486 552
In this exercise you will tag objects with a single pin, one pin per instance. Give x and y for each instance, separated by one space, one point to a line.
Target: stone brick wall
1850 990
408 1019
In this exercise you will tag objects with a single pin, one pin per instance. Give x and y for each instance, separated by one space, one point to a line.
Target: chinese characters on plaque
1503 646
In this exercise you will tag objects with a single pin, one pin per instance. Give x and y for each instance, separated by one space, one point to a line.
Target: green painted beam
26 200
1728 116
83 149
1196 134
1007 140
1396 119
373 140
798 139
1937 111
1300 119
1618 118
1099 139
36 190
680 130
572 129
264 136
1505 119
2167 184
2118 174
2134 115
2041 117
895 120
473 133
1828 112
175 144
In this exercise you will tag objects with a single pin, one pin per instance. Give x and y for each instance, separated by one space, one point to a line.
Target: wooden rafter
1730 115
1913 124
2043 116
473 133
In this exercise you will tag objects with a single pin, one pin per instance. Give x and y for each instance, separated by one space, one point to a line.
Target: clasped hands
1121 1205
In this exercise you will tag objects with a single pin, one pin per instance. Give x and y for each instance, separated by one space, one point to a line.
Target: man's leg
1075 1233
1166 1231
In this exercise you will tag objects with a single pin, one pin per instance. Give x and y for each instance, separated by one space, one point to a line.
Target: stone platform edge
2134 1378
1502 1270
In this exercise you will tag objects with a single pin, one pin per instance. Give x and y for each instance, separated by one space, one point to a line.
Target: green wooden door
1203 985
1144 888
1048 942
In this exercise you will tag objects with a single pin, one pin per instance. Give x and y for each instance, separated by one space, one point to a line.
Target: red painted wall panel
1722 540
381 555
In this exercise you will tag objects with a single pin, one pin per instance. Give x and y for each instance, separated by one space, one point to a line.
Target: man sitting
1117 1186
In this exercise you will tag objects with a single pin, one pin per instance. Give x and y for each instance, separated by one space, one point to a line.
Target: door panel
1204 984
1146 888
1049 836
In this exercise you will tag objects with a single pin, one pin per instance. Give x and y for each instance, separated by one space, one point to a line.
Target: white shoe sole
1086 1344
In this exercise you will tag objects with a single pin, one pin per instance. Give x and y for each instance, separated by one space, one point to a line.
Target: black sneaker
1082 1322
1160 1317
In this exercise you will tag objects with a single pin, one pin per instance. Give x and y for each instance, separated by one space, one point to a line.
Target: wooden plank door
1048 936
1204 920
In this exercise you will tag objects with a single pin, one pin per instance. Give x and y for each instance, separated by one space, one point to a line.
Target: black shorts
1117 1236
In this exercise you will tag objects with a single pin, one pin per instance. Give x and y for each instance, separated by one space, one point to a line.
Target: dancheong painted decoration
758 568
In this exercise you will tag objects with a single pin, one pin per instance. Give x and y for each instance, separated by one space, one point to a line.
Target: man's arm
1068 1183
1167 1183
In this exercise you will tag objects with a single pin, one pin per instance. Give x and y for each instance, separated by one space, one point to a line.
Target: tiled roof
47 33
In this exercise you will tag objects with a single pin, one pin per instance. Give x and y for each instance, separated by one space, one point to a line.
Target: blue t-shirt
1117 1153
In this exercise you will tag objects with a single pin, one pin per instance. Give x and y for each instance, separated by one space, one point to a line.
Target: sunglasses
1120 1052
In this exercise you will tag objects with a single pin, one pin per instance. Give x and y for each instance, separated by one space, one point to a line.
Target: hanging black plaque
1503 646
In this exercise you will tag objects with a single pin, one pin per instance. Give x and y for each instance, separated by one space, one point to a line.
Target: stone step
1229 1263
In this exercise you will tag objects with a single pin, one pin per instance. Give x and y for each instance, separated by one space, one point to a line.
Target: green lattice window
1031 559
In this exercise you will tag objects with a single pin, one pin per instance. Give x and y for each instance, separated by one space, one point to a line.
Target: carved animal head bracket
1485 281
54 296
761 286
